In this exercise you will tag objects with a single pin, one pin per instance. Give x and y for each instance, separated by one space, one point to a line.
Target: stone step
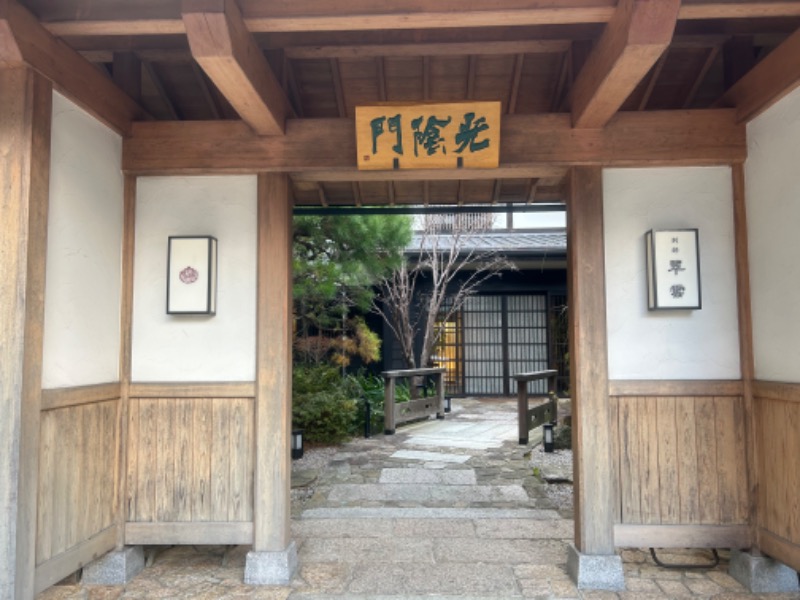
428 476
429 513
446 495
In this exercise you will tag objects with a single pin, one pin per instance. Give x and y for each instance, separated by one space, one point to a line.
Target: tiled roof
516 242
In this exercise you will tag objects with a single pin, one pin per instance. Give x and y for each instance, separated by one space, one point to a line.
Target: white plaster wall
772 186
680 344
195 348
84 249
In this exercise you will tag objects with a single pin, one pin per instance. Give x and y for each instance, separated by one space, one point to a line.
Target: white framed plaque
192 275
673 269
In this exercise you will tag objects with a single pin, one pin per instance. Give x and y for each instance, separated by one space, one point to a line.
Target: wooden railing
395 413
528 418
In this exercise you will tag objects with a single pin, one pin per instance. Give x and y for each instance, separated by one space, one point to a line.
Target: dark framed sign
192 275
673 269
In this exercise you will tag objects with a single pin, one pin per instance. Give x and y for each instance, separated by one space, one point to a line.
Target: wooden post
273 410
125 356
388 405
25 120
523 424
593 465
746 357
439 379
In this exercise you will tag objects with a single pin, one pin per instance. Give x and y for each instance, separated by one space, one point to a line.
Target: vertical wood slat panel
687 461
76 488
681 460
648 443
778 420
707 482
630 461
667 460
190 460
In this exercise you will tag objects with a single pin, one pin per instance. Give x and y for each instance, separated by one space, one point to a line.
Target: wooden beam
25 120
327 146
630 45
594 467
162 92
769 81
516 77
108 19
227 52
205 88
23 41
443 49
272 506
653 79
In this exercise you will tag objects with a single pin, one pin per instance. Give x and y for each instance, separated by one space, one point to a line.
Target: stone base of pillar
762 575
595 571
117 567
271 568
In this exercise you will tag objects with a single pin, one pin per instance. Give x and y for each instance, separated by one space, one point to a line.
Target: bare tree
427 291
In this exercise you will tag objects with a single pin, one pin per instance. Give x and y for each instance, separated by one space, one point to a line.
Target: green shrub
323 404
370 392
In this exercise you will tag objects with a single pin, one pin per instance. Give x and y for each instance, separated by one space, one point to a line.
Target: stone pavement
442 509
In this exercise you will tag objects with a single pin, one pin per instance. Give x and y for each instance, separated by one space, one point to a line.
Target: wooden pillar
274 366
746 357
593 465
25 119
125 355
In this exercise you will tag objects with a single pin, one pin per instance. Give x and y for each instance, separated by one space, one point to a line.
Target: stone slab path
443 509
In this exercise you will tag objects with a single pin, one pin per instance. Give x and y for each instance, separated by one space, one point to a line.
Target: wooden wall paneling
792 427
74 396
48 453
707 475
74 483
183 468
730 461
164 449
25 122
201 496
616 453
146 460
595 493
668 476
648 444
687 460
85 461
133 440
240 508
221 459
630 460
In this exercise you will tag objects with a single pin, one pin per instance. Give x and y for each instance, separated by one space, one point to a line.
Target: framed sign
673 269
192 275
428 136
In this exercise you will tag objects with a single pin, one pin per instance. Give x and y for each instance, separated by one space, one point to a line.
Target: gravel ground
556 465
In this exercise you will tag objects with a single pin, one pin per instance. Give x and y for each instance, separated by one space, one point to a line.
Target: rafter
206 90
710 58
516 77
336 75
629 47
327 147
653 79
227 52
161 90
23 41
769 81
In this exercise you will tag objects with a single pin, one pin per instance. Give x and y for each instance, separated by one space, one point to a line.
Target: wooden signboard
428 136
